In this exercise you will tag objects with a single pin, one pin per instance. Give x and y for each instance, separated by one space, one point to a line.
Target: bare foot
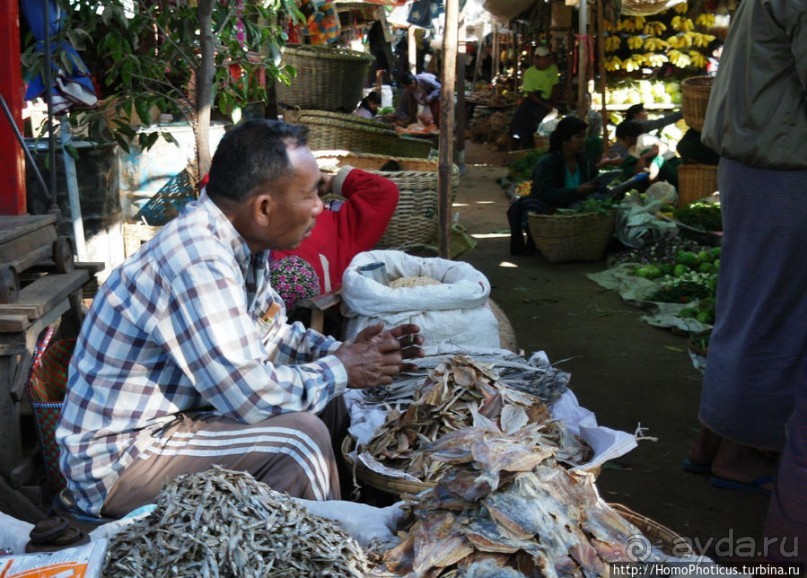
705 447
743 464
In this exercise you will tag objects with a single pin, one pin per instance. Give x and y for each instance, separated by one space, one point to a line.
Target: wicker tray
568 237
695 92
389 485
695 181
327 78
668 541
415 219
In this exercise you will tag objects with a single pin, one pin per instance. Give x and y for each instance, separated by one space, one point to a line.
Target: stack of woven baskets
695 181
415 221
334 130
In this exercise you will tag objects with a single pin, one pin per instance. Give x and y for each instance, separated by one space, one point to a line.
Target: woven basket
415 219
695 181
667 541
567 237
388 485
327 78
334 130
695 92
46 387
507 335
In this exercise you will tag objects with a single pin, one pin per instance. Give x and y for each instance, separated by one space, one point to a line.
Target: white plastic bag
456 311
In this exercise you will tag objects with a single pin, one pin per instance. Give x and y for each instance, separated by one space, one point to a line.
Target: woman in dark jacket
561 178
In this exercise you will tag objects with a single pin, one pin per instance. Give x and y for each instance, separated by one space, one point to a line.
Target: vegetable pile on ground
691 278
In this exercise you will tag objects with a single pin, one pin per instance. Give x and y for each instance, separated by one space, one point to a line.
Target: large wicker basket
695 92
327 78
695 181
415 221
657 534
568 237
334 130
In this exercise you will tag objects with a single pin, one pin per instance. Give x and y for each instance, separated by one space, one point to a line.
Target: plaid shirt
188 323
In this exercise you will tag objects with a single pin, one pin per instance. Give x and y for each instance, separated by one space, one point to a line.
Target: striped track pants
290 453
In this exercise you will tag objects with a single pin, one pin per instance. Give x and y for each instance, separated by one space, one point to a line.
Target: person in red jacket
344 229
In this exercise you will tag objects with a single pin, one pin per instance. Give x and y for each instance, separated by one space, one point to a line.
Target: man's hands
325 184
376 356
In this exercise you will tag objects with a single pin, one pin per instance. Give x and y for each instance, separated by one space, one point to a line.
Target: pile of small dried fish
225 523
536 376
506 509
457 393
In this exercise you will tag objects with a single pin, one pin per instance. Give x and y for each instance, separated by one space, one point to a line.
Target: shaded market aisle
625 371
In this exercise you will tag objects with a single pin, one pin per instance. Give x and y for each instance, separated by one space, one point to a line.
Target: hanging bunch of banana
635 24
705 20
681 8
698 60
654 28
612 42
613 63
701 40
635 42
635 62
682 24
655 59
679 59
652 44
680 41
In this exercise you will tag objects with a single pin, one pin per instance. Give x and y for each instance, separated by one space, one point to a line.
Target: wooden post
446 149
460 116
412 49
582 52
601 59
12 177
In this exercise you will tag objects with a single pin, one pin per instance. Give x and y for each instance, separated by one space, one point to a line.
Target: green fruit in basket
667 268
715 252
688 258
680 269
648 272
716 264
705 255
706 268
705 317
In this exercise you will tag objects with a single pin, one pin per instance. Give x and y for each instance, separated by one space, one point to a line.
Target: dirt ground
625 371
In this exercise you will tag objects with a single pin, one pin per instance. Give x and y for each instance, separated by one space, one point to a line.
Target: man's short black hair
408 78
373 97
251 154
633 110
629 128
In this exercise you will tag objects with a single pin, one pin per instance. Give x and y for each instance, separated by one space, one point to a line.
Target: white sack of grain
454 311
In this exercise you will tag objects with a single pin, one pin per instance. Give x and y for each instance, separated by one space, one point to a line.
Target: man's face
283 215
542 62
296 201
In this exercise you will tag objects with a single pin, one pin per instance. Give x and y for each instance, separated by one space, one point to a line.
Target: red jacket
355 226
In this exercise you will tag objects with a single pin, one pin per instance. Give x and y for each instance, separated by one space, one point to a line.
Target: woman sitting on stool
561 178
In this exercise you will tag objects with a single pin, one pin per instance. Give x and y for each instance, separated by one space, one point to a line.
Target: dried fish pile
458 393
225 523
507 509
535 376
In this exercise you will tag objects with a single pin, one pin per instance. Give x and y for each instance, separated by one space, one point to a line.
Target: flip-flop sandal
752 487
54 534
694 467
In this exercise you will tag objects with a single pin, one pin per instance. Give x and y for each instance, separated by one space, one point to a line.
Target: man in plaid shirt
185 359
